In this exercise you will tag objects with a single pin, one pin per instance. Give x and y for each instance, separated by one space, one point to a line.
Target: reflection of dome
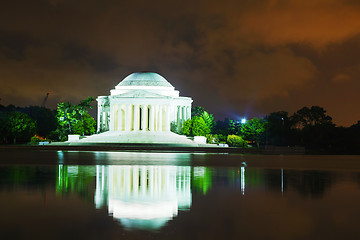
143 214
144 224
145 79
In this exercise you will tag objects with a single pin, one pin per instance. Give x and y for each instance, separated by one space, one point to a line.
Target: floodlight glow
243 120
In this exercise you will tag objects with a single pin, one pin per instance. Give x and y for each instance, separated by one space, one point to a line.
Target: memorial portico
143 108
143 101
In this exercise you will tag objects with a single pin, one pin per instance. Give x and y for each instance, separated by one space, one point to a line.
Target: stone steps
137 137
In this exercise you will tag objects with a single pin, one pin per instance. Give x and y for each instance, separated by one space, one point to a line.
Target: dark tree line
18 125
313 129
309 127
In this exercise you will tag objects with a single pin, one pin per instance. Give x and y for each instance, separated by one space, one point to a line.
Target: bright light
243 120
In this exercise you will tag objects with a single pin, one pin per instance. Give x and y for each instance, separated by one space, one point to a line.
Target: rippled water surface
138 195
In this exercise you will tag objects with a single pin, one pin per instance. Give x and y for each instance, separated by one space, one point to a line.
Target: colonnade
139 117
183 114
150 182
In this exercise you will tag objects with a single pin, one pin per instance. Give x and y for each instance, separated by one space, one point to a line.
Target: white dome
145 79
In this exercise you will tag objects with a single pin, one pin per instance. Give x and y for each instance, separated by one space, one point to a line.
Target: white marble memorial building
143 101
141 108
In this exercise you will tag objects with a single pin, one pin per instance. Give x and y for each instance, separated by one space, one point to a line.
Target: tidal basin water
139 195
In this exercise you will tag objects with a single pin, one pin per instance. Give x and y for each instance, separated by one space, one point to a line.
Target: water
138 195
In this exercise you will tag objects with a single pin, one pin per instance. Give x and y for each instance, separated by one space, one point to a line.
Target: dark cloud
234 57
102 62
13 44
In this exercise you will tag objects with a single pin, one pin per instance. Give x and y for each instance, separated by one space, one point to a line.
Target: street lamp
243 120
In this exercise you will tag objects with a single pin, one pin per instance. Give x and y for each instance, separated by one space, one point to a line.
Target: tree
44 117
310 117
253 130
236 141
278 129
20 126
201 112
209 120
195 127
74 116
86 126
197 111
4 132
228 127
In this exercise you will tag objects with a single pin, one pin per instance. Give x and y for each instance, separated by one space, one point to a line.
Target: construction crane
45 99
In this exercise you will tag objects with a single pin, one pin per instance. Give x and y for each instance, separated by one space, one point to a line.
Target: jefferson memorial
141 109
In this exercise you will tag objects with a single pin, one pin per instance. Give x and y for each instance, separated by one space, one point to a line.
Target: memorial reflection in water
143 196
137 191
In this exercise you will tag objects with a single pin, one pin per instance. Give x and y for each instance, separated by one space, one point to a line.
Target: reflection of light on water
242 177
143 196
60 157
142 156
59 173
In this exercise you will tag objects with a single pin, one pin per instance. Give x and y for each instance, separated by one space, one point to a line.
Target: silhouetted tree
310 117
279 131
44 117
228 127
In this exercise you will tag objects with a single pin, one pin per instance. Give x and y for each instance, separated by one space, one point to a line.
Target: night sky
236 58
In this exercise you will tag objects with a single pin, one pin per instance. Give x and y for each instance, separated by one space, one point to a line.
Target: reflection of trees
255 177
75 179
310 183
26 177
274 179
201 179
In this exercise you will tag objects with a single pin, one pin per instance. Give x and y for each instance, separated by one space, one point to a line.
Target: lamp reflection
242 177
143 197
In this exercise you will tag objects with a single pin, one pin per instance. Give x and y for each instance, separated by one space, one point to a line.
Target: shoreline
208 148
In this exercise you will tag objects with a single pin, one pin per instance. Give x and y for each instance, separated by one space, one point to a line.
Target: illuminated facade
142 108
143 101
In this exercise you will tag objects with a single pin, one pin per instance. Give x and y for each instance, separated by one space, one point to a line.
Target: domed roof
145 79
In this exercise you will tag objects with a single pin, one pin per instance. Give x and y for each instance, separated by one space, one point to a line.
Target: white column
135 180
151 181
136 117
183 115
189 113
179 125
119 119
160 119
143 181
168 123
128 118
112 124
99 113
144 116
151 120
156 117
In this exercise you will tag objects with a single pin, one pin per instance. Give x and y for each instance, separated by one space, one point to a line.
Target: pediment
140 94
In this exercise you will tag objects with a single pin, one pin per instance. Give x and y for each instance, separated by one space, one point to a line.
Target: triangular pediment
140 94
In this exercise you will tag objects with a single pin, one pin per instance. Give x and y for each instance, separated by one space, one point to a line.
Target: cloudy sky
234 57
